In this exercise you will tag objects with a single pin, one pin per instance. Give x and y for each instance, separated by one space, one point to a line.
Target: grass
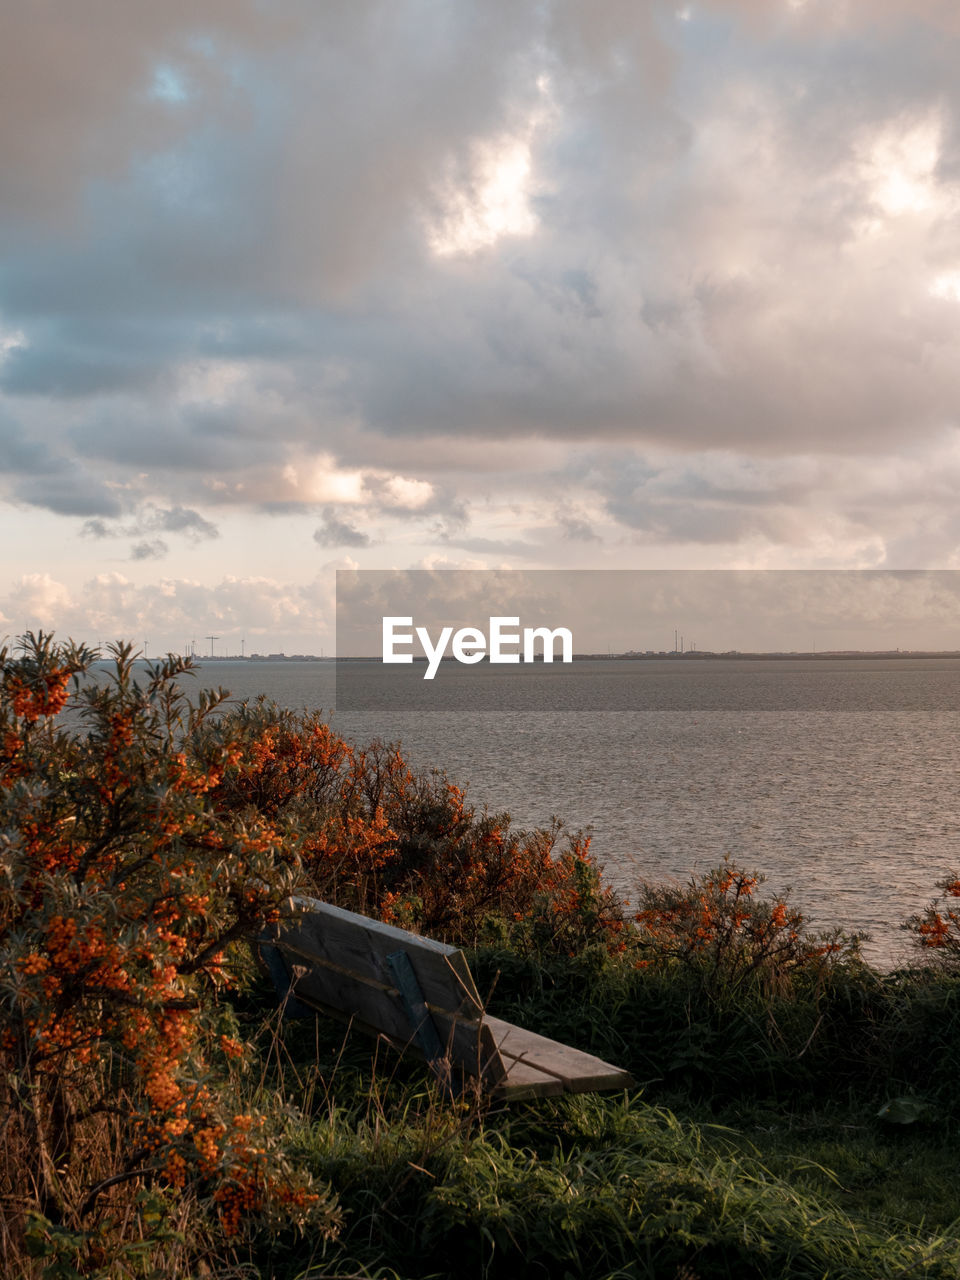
904 1176
658 1183
792 1175
602 1187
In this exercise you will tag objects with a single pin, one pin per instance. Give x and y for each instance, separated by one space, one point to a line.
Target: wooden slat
472 1046
578 1072
357 943
469 1042
378 1005
526 1081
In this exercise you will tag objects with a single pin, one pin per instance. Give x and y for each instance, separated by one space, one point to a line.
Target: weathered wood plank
379 1005
577 1071
468 1041
415 1007
523 1080
357 943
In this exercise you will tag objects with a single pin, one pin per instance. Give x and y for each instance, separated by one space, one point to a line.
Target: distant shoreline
737 655
203 659
694 655
733 655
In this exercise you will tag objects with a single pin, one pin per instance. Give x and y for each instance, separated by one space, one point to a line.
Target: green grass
907 1176
591 1187
661 1183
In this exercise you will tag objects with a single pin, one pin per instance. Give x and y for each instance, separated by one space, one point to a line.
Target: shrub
143 838
376 837
715 925
123 890
936 930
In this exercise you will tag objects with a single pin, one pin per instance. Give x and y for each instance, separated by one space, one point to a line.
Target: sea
842 792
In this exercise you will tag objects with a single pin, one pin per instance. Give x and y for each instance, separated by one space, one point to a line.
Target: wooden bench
419 994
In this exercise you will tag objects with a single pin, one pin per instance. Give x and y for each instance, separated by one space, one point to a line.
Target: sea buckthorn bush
123 891
717 924
376 837
145 835
936 930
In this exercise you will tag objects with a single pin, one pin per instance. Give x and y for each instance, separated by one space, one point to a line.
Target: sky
296 286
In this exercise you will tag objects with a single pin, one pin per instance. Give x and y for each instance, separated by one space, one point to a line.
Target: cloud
74 121
180 520
338 257
37 598
495 546
154 550
148 519
577 529
20 455
73 492
173 610
411 495
335 532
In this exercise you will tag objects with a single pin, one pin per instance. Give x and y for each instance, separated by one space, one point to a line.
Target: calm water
855 810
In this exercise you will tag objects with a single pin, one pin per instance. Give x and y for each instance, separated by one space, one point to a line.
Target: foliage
375 837
600 1188
715 924
123 890
936 931
143 837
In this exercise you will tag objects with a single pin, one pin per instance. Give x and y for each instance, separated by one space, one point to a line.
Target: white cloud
111 606
38 599
946 286
316 479
494 202
411 494
489 195
898 163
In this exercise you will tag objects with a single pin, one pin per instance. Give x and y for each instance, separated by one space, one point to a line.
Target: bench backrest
360 968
